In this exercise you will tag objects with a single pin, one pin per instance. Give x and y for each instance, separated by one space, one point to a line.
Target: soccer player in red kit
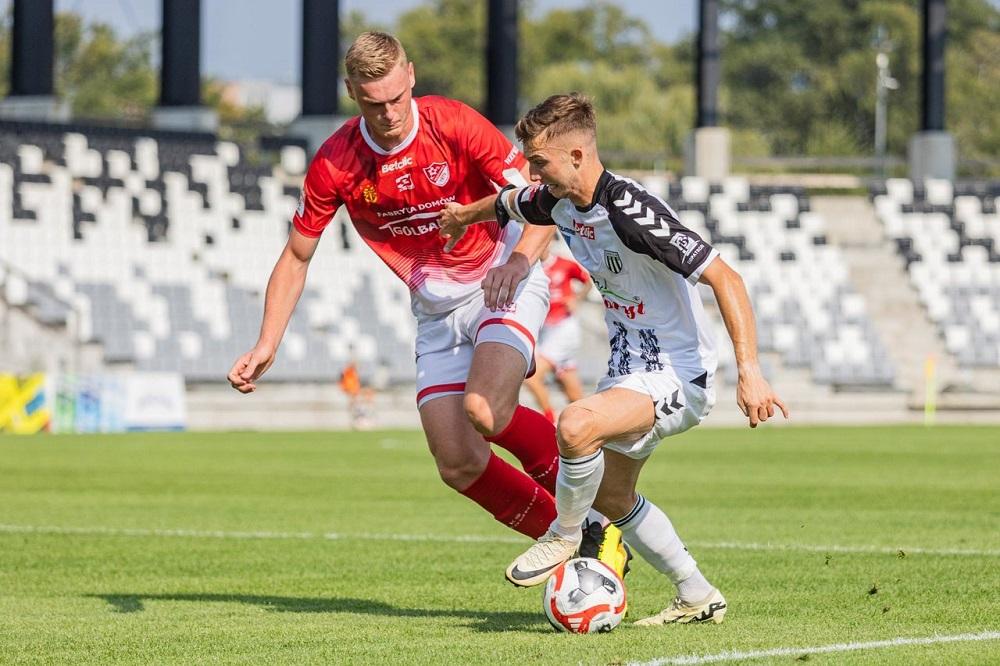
396 168
559 339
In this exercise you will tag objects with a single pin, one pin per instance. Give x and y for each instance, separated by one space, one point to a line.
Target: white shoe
539 562
710 609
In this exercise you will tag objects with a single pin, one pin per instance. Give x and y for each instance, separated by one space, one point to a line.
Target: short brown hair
373 55
559 114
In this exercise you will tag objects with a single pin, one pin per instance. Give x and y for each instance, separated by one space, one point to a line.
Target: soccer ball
584 596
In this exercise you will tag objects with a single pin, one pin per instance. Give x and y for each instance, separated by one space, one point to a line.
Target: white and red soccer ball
584 596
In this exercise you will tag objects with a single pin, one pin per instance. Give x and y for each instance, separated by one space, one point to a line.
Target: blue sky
259 39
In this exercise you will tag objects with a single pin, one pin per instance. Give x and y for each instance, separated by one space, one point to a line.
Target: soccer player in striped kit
646 265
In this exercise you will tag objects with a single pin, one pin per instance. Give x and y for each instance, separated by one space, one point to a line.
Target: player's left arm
754 394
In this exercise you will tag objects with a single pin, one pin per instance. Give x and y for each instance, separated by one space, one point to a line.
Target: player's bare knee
480 413
459 475
575 431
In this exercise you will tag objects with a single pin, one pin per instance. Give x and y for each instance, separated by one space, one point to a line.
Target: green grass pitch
345 548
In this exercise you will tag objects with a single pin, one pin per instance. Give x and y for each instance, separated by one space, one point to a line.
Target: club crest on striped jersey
613 261
438 173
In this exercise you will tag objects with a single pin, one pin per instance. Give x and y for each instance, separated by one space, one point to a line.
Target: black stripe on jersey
647 226
534 204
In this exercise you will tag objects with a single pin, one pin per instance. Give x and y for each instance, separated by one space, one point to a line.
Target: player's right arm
283 291
316 208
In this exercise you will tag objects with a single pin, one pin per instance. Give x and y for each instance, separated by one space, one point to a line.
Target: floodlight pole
180 105
321 72
32 92
501 64
708 147
932 149
883 84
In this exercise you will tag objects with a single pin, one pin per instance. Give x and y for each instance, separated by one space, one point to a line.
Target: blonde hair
559 114
373 55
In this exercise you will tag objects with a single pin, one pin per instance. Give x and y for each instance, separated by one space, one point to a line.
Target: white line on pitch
819 649
466 538
217 534
906 550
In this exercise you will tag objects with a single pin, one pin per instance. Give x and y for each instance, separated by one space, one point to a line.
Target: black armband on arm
503 217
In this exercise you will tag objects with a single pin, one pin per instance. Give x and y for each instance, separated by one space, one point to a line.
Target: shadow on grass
486 621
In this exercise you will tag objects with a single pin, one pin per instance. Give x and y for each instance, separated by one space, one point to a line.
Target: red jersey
562 274
394 197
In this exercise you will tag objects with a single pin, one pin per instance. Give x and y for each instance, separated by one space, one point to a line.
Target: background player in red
395 168
559 340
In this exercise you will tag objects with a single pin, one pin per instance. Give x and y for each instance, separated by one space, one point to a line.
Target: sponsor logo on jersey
404 182
369 193
511 155
300 210
414 230
631 311
410 210
401 163
630 306
584 230
438 173
686 244
613 261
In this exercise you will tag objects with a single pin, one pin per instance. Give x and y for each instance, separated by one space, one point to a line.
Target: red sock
532 439
514 499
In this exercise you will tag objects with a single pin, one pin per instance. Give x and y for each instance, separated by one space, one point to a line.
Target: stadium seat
806 310
948 240
163 247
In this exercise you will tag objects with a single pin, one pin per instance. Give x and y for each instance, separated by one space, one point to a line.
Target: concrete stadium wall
29 346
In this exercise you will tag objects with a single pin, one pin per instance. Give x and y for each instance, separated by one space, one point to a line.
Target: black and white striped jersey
645 264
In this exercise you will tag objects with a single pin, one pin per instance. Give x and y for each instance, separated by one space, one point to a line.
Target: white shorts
680 405
559 344
446 342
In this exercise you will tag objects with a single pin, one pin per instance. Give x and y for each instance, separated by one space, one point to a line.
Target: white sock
576 487
648 530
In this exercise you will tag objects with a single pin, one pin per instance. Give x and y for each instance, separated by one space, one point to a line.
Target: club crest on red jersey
369 193
438 173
